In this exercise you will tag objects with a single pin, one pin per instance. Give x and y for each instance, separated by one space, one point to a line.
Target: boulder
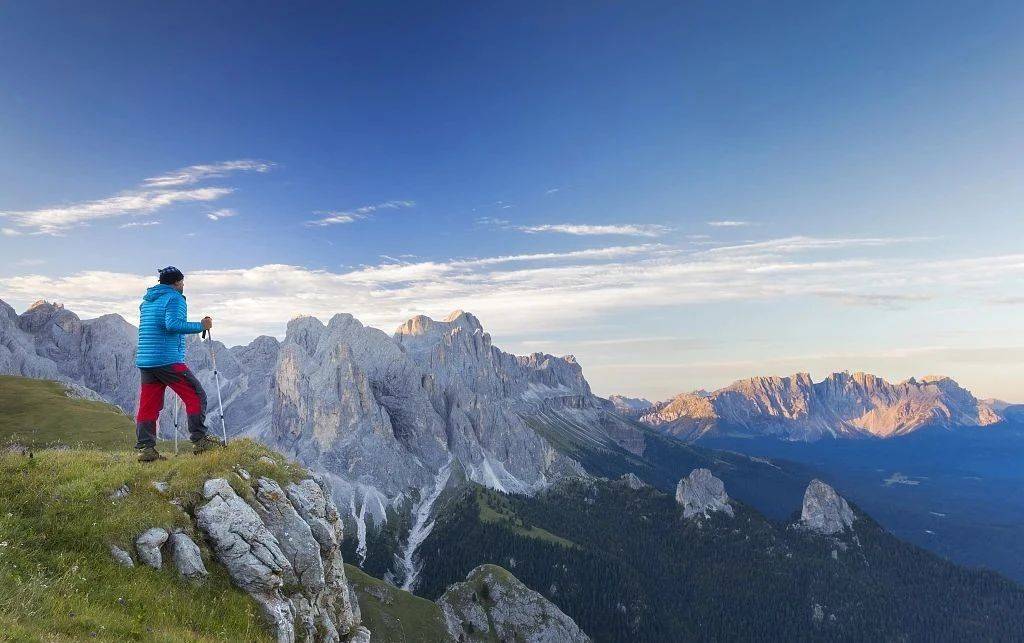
148 546
702 494
187 559
122 557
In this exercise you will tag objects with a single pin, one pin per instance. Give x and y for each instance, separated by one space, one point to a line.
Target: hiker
163 324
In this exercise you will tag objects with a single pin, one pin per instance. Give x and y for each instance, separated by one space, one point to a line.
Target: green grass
39 413
493 509
393 615
57 579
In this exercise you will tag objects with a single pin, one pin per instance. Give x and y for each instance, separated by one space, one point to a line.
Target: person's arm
175 318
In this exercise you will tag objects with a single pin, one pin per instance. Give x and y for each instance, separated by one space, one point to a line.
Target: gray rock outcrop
251 554
825 511
492 604
270 548
702 494
186 556
148 545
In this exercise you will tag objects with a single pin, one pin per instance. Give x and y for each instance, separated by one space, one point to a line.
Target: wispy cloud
196 173
223 213
630 230
10 232
618 341
1007 301
789 245
890 301
727 223
138 224
336 217
543 291
153 194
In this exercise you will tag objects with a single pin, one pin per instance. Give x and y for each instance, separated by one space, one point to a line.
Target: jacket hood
156 292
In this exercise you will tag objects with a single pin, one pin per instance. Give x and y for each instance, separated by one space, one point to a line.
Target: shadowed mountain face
843 405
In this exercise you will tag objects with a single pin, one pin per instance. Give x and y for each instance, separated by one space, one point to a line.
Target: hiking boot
150 454
208 443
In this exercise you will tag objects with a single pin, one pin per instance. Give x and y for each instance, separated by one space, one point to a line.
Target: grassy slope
57 521
57 579
395 616
38 413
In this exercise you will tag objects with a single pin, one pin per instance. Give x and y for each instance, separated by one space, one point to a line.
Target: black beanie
170 275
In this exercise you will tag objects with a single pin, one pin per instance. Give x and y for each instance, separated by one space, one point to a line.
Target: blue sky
681 194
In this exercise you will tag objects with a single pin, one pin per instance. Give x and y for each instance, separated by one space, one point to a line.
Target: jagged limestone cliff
841 405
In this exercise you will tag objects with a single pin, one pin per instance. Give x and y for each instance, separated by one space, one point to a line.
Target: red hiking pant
154 381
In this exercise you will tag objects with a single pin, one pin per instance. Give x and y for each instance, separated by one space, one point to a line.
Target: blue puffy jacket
163 324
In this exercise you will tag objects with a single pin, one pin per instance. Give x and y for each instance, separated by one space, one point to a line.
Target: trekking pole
208 335
176 405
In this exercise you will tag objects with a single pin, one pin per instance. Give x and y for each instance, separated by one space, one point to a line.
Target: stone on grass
148 546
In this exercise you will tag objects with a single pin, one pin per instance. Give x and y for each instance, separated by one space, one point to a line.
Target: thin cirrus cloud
153 194
338 217
787 245
196 173
629 230
729 223
223 213
543 292
138 224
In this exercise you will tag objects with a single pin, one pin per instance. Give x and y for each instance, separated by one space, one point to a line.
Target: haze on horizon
681 196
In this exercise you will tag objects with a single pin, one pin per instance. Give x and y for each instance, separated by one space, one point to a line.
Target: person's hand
207 322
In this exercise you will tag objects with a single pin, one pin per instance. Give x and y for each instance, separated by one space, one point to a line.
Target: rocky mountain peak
457 320
305 330
493 605
630 406
42 314
825 511
632 481
42 304
701 494
463 319
7 313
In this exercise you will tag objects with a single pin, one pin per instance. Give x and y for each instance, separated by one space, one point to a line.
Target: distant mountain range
843 405
395 421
